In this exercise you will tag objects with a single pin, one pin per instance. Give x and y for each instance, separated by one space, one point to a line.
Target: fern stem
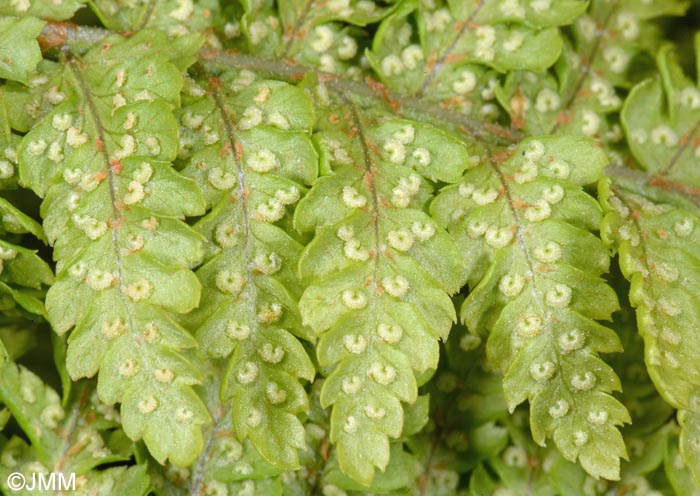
295 29
221 416
587 63
64 34
656 187
684 146
468 24
357 124
243 191
147 13
99 129
70 433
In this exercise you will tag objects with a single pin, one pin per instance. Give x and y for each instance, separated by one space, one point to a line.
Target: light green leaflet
314 33
467 408
678 474
101 160
377 295
504 35
653 237
250 155
227 465
533 269
19 50
25 104
661 122
581 94
9 142
63 440
572 102
690 441
652 240
22 271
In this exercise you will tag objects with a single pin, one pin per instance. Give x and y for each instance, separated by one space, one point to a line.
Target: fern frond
227 465
569 101
101 161
25 105
503 35
62 440
689 442
533 271
639 395
251 155
652 231
465 420
652 241
377 293
313 33
609 44
9 143
661 122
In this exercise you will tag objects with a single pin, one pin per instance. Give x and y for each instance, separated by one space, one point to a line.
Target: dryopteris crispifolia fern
101 160
655 234
613 39
435 60
329 45
250 154
228 464
533 271
258 250
377 295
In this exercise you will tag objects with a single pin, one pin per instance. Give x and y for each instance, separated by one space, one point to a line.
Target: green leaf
14 221
62 440
376 298
22 271
315 34
661 122
252 169
24 105
19 50
535 289
230 464
652 240
689 442
501 35
101 160
398 475
610 44
8 149
571 102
